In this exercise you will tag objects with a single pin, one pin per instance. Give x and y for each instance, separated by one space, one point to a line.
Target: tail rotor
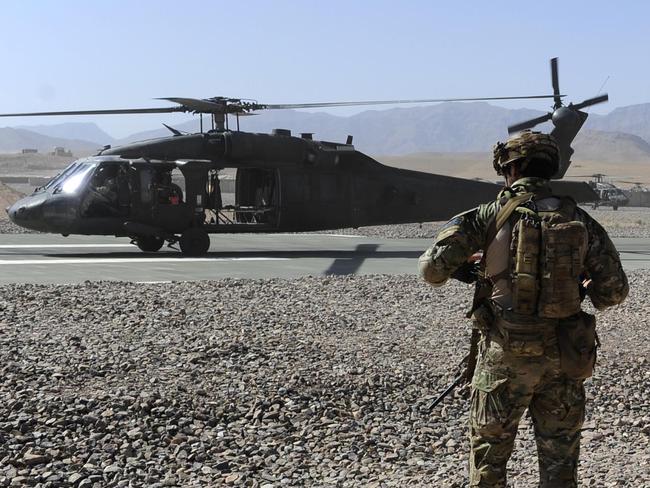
567 120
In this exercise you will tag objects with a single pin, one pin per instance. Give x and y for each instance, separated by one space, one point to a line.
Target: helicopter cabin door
257 197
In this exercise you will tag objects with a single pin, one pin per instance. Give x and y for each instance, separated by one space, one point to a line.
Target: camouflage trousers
514 375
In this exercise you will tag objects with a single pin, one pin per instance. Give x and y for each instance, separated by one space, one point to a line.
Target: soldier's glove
467 272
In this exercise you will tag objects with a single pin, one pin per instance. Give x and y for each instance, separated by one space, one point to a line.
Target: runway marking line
355 236
63 246
123 245
178 260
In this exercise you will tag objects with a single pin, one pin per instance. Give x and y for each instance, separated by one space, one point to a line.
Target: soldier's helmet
525 147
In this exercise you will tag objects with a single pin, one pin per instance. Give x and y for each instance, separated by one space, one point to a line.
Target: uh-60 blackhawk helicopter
284 183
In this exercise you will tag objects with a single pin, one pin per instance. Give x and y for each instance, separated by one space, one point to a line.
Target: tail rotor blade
556 84
529 123
591 101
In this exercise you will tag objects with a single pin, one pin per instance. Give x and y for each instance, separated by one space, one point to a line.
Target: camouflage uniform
507 382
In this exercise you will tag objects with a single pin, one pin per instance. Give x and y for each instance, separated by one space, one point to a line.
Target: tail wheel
194 242
149 243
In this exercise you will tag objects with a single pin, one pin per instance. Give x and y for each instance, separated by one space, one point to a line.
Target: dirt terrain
33 164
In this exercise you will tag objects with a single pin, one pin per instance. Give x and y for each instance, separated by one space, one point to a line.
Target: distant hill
83 131
14 140
616 147
634 119
621 156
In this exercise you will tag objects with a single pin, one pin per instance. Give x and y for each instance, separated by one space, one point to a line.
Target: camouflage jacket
465 234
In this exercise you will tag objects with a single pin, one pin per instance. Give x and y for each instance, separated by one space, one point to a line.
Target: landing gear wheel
149 243
194 242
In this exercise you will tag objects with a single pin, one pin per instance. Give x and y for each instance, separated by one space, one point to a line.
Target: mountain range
15 139
442 128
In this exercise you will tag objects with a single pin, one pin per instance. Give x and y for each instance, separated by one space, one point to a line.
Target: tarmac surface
43 258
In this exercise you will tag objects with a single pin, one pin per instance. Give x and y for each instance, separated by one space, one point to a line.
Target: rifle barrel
449 389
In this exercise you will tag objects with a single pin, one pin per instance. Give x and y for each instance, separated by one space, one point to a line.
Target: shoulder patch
450 228
454 222
447 232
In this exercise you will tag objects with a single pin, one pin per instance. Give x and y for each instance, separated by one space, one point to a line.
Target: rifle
469 362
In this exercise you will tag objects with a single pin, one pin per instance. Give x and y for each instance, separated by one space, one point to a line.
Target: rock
32 459
74 478
233 478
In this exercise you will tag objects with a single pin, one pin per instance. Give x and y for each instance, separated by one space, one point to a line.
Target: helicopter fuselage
163 187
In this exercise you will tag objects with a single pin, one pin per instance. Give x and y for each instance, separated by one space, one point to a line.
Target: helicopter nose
12 211
27 212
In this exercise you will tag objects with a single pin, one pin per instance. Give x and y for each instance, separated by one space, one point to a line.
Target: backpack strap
502 217
484 286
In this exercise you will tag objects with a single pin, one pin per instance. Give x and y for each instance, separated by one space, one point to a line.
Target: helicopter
284 182
609 195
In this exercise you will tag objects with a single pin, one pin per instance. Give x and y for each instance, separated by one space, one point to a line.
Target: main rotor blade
529 123
632 182
161 110
591 101
198 104
556 84
395 102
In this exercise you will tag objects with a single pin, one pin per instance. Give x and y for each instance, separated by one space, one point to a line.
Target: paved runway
42 258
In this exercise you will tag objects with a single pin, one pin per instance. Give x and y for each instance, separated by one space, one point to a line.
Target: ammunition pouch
525 287
578 344
564 250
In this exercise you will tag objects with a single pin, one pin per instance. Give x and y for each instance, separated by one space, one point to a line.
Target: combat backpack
547 256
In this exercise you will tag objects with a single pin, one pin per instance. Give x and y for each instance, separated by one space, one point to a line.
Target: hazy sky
65 54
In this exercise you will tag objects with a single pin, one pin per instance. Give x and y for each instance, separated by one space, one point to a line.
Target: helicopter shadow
638 253
345 262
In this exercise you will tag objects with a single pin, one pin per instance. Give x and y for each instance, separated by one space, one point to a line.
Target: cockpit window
54 181
72 177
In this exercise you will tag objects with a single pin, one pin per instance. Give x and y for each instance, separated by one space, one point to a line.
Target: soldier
540 255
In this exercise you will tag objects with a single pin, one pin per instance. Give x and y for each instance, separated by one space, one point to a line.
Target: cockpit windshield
71 178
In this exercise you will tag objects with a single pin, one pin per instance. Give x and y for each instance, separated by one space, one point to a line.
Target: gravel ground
314 381
8 227
624 222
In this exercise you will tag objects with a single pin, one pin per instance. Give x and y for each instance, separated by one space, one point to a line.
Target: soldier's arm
608 286
455 243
